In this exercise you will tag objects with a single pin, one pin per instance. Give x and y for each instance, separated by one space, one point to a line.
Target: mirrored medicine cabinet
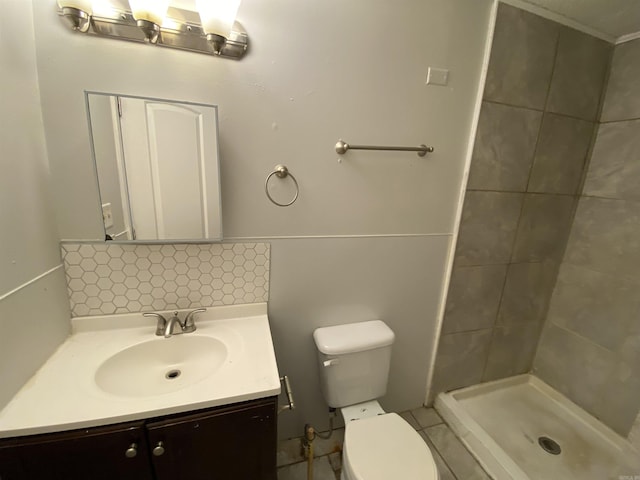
157 167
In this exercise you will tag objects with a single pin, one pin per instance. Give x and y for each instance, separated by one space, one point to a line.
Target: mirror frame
97 180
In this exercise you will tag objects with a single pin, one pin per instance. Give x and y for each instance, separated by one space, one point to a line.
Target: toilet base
361 410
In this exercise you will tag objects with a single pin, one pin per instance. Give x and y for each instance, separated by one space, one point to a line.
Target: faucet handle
189 325
162 322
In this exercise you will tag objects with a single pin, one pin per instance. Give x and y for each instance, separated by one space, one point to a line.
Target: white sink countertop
64 395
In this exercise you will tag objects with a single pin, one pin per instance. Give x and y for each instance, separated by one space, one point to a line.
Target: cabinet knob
159 449
132 451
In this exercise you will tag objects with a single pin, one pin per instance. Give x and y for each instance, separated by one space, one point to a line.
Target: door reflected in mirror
157 167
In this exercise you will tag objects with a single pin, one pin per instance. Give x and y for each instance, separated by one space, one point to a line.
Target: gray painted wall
540 106
590 348
370 234
34 312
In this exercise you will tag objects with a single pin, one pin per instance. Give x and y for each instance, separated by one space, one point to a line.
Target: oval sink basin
161 366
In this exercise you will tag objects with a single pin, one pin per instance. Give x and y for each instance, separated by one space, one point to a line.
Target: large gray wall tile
512 350
527 292
473 299
592 376
579 74
522 55
560 155
618 405
543 228
600 307
576 367
504 146
614 169
460 360
488 227
606 236
622 100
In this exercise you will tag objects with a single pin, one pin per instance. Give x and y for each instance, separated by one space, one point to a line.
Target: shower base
502 424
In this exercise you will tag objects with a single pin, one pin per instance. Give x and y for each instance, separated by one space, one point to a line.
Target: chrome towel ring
281 171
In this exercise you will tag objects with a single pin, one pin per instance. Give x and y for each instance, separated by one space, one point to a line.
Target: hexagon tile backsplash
111 278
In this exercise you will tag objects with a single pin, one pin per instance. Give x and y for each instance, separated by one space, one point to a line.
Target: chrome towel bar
342 147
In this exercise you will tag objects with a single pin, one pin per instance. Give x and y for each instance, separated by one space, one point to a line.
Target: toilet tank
354 361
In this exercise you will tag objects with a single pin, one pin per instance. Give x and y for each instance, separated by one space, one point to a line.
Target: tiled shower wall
540 105
590 348
106 278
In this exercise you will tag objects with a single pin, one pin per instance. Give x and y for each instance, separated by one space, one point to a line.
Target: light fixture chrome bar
181 34
342 147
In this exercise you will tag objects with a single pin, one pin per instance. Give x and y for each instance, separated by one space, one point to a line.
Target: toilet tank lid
353 337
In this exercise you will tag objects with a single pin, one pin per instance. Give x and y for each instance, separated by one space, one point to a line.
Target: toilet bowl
354 364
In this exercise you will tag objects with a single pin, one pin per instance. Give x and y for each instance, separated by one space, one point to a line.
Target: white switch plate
437 76
107 215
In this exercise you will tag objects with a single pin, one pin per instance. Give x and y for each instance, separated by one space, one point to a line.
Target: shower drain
549 445
171 374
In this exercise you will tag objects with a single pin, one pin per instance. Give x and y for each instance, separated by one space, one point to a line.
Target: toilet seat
384 447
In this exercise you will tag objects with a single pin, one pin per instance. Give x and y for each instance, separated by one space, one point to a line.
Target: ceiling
612 18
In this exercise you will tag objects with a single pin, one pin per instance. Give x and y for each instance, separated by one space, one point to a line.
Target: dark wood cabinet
232 442
97 453
228 443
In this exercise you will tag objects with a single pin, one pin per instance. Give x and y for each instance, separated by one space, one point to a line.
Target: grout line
504 264
505 104
543 110
523 192
486 329
33 280
633 119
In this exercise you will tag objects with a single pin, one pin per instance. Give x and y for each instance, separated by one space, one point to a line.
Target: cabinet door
93 454
232 443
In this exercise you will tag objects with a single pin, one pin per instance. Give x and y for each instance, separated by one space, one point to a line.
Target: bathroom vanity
108 405
235 442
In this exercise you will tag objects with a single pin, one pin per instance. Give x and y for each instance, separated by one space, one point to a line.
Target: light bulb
152 11
84 5
217 16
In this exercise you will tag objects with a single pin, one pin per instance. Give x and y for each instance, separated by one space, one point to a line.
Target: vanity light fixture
217 18
212 30
149 15
77 13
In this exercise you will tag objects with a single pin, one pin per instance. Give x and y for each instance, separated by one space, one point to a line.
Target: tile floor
453 460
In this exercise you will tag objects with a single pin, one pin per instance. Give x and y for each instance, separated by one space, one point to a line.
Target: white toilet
354 367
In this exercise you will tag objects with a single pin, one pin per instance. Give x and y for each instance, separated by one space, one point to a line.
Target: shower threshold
522 429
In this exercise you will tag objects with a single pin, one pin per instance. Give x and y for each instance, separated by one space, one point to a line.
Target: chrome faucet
189 324
170 325
164 327
162 322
